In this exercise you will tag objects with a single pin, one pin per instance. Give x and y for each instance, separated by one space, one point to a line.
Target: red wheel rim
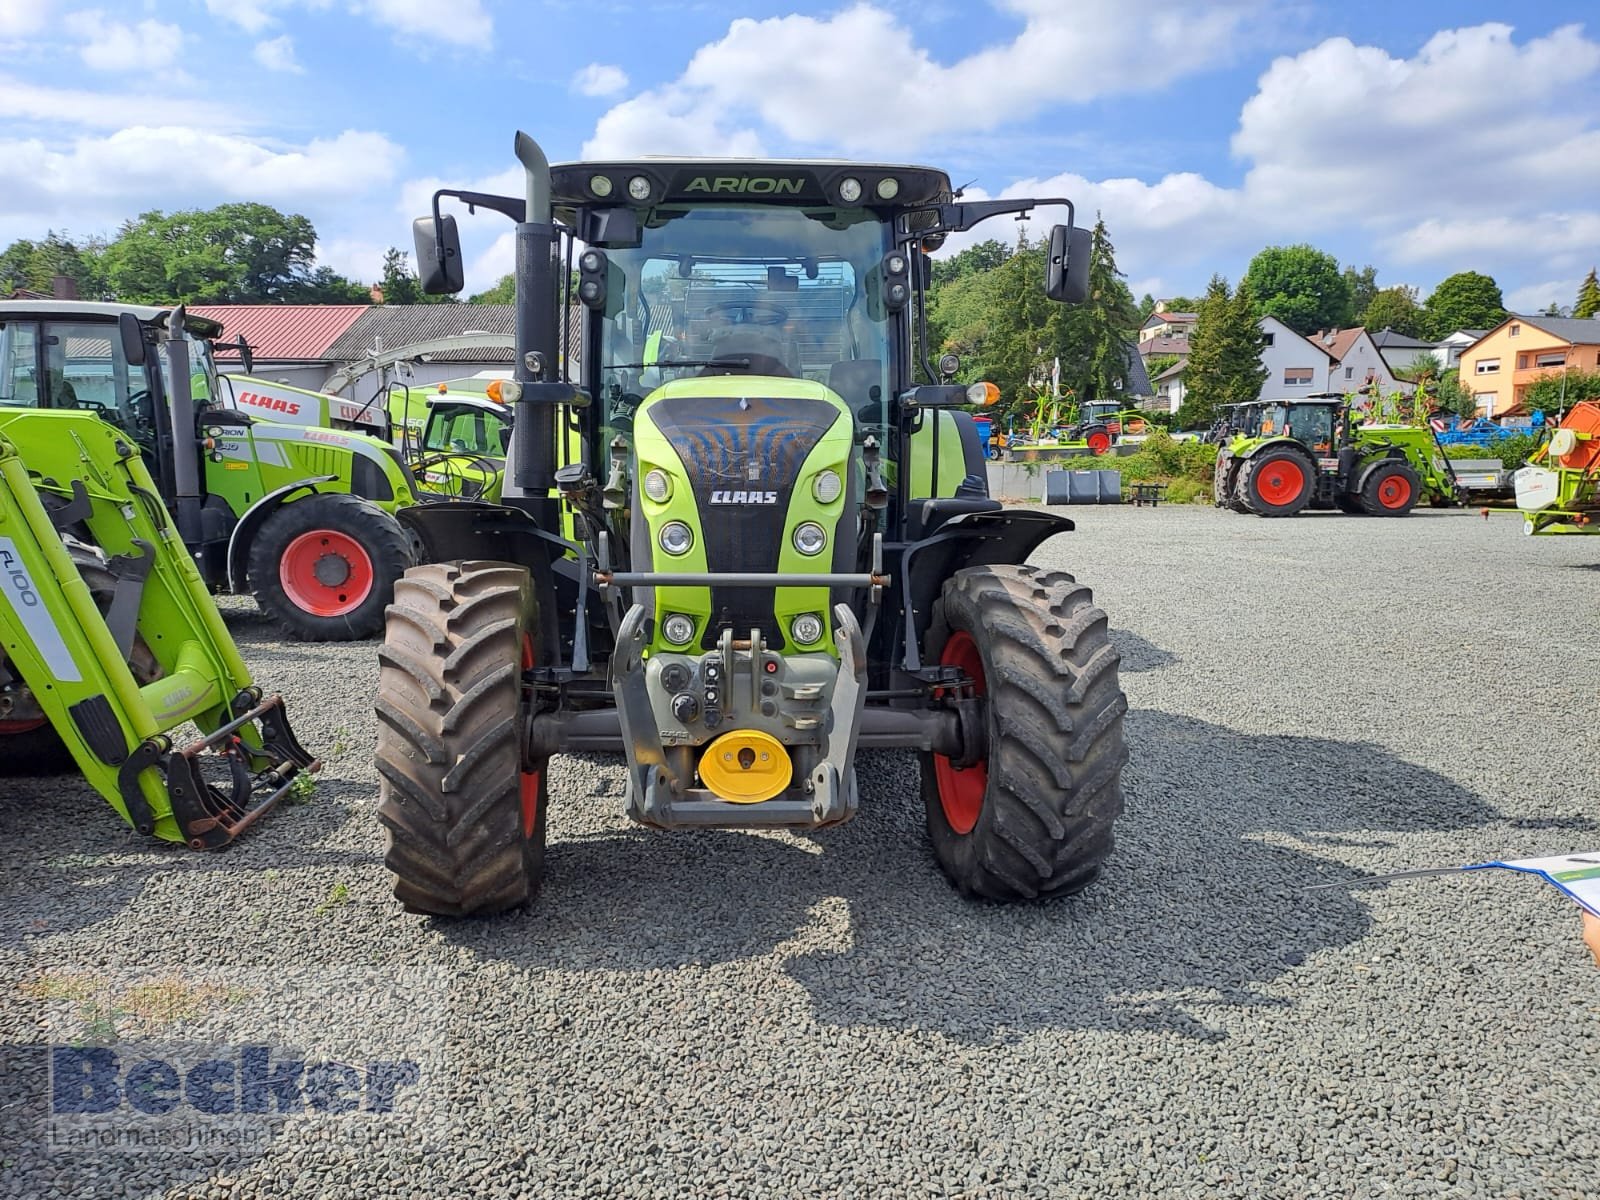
1281 481
961 789
1099 443
10 727
327 573
531 781
1394 491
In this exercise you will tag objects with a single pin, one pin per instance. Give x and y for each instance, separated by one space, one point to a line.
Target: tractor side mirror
438 255
246 354
132 339
1066 274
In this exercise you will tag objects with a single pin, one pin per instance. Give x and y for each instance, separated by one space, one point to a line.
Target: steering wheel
748 312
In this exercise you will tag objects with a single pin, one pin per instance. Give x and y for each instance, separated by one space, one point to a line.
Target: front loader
749 538
111 645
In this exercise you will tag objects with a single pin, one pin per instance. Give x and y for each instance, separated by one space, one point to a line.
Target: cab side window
19 364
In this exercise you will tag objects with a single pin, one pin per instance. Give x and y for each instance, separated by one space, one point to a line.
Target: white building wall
1362 364
1288 353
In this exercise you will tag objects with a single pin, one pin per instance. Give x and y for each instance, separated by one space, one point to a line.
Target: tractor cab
744 530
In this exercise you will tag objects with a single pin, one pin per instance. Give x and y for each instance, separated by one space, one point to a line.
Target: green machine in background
1277 457
302 516
112 642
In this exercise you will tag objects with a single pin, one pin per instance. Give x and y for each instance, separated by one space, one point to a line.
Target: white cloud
28 102
277 54
19 18
858 79
112 46
461 21
114 176
1469 155
600 79
1534 297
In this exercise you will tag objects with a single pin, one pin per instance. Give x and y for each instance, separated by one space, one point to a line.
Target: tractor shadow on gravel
1202 907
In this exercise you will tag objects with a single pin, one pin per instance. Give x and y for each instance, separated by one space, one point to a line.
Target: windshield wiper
680 362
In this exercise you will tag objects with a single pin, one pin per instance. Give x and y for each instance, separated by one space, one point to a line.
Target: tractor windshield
764 290
1309 423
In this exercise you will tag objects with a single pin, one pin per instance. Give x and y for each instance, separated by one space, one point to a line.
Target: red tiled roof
282 332
1337 342
1151 347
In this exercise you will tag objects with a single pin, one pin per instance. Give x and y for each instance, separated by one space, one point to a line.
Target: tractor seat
768 355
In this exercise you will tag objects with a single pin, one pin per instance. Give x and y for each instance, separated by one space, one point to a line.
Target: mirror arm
958 218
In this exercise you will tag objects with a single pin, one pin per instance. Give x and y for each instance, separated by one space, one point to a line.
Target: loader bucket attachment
111 644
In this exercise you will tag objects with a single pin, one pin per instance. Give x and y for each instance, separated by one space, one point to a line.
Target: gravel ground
728 1014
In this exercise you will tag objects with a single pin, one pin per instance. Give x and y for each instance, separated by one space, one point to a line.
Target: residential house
1450 348
1400 350
1164 324
1357 363
1169 388
1499 367
1296 366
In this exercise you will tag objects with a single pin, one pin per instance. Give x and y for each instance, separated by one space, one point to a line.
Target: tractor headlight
810 538
806 629
678 629
676 537
888 189
827 486
600 186
657 485
850 190
639 187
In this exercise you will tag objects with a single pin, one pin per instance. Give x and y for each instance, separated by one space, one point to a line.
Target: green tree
1301 286
1147 305
1560 390
1224 353
974 260
503 292
1158 363
1452 397
1465 300
35 265
1395 308
1588 304
231 254
1097 333
1363 287
399 283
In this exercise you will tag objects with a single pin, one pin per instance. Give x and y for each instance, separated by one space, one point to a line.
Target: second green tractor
1278 457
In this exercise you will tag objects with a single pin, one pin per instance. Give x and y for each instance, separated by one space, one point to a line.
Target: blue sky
1422 138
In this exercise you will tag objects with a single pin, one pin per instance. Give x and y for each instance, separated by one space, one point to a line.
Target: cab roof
106 311
796 181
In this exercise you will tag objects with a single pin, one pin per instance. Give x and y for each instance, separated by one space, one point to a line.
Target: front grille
733 445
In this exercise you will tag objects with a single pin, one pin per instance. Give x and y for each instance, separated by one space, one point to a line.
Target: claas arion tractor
745 533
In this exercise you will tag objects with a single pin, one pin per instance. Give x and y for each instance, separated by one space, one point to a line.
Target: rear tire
464 815
323 567
1391 489
1276 483
1034 818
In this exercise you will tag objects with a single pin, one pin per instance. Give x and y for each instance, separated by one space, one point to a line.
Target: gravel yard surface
729 1014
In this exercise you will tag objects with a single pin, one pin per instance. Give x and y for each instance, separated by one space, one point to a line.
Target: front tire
324 567
1391 489
1033 818
1276 483
463 813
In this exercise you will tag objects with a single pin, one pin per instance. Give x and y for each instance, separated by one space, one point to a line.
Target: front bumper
810 703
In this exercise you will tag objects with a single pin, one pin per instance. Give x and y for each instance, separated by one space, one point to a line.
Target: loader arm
67 651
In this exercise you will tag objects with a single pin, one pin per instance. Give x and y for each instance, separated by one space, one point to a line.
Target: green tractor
1277 457
742 557
111 645
458 448
300 515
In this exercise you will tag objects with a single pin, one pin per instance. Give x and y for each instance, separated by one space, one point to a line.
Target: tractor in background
744 534
299 515
1277 457
1559 490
